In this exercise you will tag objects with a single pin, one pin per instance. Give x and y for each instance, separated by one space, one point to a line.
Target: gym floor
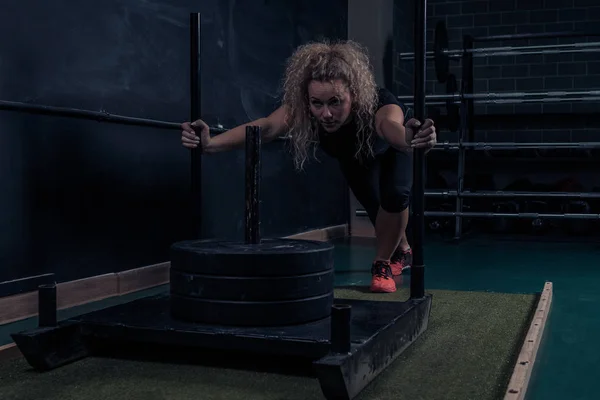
565 365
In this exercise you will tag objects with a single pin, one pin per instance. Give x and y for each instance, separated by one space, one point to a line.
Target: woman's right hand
195 133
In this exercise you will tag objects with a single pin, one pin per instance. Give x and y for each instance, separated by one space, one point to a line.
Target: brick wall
523 73
551 122
403 42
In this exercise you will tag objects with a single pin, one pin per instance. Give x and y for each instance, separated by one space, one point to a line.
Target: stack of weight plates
277 282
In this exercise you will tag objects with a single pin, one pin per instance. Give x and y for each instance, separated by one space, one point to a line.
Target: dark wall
82 198
404 17
247 89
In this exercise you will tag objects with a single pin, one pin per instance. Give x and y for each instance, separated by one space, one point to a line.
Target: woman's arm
389 124
272 127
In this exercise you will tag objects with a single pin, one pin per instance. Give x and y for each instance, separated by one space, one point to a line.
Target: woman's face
330 103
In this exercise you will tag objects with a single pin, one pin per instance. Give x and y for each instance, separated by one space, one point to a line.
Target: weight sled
348 349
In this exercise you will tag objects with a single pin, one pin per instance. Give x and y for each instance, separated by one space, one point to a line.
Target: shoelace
381 270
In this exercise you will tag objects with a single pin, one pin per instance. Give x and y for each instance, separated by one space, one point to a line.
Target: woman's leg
395 191
363 180
390 228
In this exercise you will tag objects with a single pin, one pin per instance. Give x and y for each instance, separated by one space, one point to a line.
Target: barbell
504 146
442 55
452 98
452 95
99 116
525 215
511 195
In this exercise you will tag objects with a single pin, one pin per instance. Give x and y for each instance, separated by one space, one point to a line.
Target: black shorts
384 181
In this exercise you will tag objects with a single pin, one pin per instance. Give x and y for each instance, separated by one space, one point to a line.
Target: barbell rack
467 98
466 139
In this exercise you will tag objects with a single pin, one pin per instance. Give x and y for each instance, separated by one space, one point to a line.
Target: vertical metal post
341 316
469 87
195 113
417 282
466 85
253 165
460 184
47 313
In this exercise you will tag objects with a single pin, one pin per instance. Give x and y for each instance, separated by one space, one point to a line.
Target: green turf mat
467 353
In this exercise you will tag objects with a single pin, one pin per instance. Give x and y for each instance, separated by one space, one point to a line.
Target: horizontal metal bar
429 103
540 100
545 100
510 215
508 95
535 52
525 36
503 194
100 116
518 95
579 47
433 97
362 213
564 46
516 146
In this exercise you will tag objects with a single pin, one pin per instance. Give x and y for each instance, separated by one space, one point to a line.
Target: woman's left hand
425 136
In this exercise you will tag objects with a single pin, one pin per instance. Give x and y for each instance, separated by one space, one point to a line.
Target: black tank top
343 143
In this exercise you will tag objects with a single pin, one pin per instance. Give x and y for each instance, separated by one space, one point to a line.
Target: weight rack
466 99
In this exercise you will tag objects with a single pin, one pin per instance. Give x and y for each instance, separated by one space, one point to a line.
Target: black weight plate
238 288
251 313
441 59
452 109
272 257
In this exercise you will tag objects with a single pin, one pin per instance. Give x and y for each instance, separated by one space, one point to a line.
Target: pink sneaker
400 262
382 281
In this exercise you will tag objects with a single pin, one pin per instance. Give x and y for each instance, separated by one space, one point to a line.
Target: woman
330 100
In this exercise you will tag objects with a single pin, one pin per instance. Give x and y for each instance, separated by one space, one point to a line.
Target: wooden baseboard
519 381
82 291
362 227
324 234
143 278
9 351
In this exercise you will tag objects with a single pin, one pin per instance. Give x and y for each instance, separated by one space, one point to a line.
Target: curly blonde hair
327 61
